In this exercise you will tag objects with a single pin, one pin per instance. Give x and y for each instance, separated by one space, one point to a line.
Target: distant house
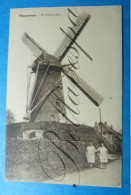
112 136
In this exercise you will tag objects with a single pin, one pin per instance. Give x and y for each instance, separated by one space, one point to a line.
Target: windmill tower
47 70
47 99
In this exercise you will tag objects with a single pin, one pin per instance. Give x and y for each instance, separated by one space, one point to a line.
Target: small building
112 136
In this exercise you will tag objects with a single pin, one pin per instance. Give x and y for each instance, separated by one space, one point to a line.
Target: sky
101 39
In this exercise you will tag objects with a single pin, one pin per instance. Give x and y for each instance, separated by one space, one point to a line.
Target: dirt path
109 177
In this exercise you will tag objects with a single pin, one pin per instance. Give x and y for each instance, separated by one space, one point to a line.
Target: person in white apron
90 154
103 155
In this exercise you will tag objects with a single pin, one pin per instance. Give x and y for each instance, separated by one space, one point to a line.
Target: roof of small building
108 129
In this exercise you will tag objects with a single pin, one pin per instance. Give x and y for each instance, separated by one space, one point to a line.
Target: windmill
47 99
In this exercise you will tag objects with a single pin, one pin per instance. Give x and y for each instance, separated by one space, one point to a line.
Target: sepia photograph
64 96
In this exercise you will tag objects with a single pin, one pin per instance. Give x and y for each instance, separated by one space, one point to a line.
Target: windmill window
52 117
57 102
60 85
63 113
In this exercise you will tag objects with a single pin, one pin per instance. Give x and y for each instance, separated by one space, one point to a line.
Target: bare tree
10 118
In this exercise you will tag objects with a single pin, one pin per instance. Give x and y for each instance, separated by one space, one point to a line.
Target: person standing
103 155
90 154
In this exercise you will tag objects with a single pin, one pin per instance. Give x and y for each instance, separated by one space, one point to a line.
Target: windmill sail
95 97
41 104
32 45
72 35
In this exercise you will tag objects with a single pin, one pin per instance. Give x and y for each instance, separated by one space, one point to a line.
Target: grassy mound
59 151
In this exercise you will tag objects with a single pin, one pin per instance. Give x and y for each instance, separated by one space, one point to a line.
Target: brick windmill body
47 99
47 75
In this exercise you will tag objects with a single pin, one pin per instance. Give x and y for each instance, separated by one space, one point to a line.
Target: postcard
64 96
